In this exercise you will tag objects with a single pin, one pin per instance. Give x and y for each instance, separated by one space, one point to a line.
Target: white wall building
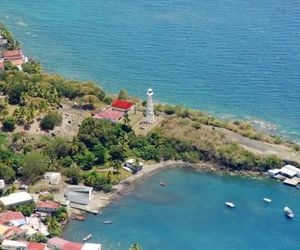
91 246
16 199
54 178
79 194
13 245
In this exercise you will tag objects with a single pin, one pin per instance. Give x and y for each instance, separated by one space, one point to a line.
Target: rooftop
48 204
110 114
14 243
13 54
16 198
120 104
72 246
36 246
10 216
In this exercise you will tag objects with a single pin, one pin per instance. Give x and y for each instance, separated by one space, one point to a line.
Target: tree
39 238
32 67
61 214
15 93
117 165
101 154
7 173
135 246
73 173
54 226
123 94
26 209
9 124
51 120
9 66
34 165
3 108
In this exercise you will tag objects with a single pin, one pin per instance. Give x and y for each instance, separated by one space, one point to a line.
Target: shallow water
189 213
233 58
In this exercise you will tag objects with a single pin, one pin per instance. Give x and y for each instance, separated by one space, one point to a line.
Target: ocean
189 213
234 58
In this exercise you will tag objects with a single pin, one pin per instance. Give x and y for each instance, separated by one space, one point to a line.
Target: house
28 230
79 194
72 246
12 218
3 41
91 246
5 233
56 243
287 172
36 246
111 115
2 184
273 172
54 178
293 168
14 245
47 206
17 232
16 199
121 105
132 166
16 57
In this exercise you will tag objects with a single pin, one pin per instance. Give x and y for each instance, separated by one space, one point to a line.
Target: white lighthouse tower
150 110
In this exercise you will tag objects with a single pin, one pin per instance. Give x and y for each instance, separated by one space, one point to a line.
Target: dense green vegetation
37 94
12 43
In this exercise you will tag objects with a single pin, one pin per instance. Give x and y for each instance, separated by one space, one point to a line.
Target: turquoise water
189 213
233 58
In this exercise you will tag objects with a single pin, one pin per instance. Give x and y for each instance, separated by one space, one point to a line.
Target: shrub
50 121
9 124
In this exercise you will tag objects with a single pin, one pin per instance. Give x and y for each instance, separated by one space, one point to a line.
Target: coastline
127 186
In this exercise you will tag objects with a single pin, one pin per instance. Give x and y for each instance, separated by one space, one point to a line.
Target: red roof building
15 218
16 57
122 105
110 114
1 65
72 246
36 246
47 206
13 54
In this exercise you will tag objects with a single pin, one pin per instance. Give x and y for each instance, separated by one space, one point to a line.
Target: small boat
86 238
107 222
267 200
229 204
288 212
95 212
163 184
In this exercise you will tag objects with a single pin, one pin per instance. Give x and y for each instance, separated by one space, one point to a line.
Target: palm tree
135 246
126 119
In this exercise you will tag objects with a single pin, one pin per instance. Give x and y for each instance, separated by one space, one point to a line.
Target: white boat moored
288 212
229 204
267 200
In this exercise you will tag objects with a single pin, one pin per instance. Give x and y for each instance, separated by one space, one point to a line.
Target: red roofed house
47 206
72 246
122 105
36 246
14 218
16 57
1 64
61 244
110 114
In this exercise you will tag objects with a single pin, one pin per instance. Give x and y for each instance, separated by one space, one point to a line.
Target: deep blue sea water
234 58
189 213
